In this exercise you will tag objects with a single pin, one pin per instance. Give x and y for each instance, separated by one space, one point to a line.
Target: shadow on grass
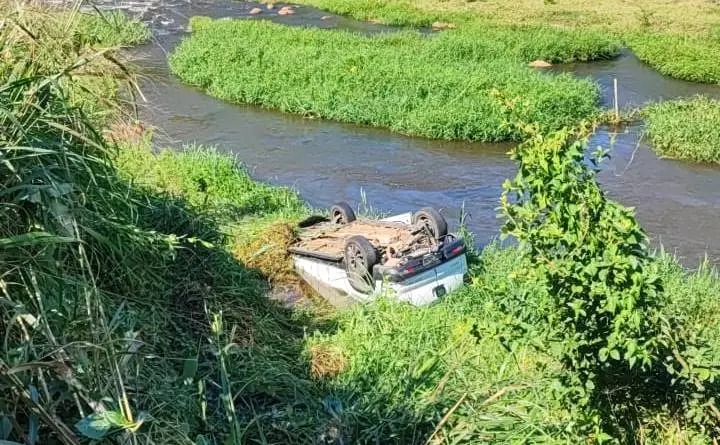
276 397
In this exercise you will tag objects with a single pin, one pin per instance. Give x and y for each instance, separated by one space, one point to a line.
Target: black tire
360 257
433 220
342 213
311 221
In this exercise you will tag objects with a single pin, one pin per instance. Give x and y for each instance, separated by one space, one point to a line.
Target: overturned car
410 257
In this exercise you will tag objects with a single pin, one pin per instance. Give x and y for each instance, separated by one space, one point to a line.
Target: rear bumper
431 285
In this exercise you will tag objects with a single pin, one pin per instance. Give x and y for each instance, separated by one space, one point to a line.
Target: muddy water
677 203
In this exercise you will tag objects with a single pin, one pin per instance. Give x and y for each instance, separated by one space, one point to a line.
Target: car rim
357 261
337 217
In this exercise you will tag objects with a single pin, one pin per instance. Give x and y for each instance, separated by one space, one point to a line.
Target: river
677 203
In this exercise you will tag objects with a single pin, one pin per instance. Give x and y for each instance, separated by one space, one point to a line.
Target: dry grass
326 360
267 252
126 131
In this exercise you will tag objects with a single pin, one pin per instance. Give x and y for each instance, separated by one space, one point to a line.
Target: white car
410 257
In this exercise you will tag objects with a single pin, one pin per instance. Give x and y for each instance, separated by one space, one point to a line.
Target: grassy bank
124 314
683 46
480 367
453 86
685 129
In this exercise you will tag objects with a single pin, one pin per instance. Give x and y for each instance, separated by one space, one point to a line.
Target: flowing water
678 203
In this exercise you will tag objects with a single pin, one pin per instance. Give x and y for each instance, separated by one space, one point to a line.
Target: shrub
607 306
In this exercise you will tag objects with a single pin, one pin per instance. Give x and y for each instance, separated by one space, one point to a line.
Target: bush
685 129
444 87
607 302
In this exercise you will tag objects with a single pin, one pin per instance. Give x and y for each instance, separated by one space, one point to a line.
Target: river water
677 203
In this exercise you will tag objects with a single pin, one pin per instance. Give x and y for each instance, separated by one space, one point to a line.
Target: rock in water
255 11
539 64
286 10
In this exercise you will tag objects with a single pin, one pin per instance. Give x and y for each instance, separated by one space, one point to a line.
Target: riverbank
451 86
678 45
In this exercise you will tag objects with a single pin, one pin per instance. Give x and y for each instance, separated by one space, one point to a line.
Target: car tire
360 257
433 220
342 213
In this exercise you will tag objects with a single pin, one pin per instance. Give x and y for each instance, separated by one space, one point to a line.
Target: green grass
214 181
406 368
451 86
692 58
608 16
112 28
685 129
391 13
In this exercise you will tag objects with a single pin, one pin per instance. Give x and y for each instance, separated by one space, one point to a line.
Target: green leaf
615 354
98 425
703 374
603 354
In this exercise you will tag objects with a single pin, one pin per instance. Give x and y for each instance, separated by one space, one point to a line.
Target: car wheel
432 220
360 257
342 213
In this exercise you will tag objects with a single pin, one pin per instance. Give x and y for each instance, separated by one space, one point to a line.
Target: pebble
286 10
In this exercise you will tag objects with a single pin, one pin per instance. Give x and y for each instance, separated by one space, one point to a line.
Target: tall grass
110 28
107 290
685 129
127 319
452 86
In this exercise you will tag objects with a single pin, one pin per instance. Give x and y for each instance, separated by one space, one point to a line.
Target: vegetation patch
685 129
684 46
451 86
214 182
680 56
485 366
